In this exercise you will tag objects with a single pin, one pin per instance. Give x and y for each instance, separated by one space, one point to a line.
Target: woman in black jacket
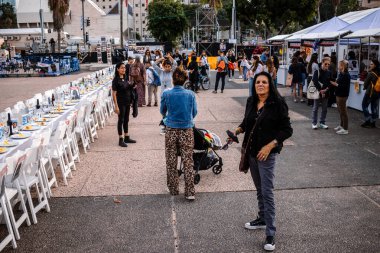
371 97
193 76
266 125
342 91
122 97
296 69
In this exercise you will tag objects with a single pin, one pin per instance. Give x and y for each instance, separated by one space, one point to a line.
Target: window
137 14
104 7
110 6
143 22
142 5
143 29
137 29
136 5
143 14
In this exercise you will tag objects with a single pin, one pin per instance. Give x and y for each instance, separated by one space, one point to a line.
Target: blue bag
156 78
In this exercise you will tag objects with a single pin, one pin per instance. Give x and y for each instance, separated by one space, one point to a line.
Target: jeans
262 173
342 108
245 71
374 102
123 118
152 90
250 86
231 72
220 75
323 101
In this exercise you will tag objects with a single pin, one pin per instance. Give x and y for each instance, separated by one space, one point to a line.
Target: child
152 88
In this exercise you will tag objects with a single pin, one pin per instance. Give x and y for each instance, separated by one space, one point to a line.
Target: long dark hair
377 65
273 93
116 75
313 59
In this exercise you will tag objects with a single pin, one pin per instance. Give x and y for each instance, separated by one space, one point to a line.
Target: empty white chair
4 212
90 122
28 175
81 130
47 169
58 151
14 195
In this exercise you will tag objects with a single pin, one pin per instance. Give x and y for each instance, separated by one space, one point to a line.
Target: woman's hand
117 111
238 130
265 151
334 83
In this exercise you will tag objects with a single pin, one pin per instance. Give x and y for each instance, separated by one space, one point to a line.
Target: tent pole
369 46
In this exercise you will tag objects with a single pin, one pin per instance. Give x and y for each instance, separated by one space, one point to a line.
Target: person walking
342 90
147 57
221 67
266 125
321 80
137 76
257 67
180 108
152 87
122 98
296 70
371 97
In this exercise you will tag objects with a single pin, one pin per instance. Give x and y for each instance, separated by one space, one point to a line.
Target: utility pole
42 24
233 25
121 24
83 25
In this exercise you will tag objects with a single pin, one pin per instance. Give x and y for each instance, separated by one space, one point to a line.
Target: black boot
373 124
122 143
366 124
127 139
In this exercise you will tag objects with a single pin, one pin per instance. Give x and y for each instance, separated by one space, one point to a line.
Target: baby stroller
204 155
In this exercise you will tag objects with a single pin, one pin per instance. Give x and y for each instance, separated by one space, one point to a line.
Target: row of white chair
34 168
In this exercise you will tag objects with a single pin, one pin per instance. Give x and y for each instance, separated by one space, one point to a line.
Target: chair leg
11 236
31 206
12 218
22 203
45 199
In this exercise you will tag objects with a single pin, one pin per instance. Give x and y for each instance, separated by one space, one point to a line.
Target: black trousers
122 123
220 75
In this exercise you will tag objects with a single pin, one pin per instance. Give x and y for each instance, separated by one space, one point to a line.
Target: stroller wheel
179 173
217 169
197 178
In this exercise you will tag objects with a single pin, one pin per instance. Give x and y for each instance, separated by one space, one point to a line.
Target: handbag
312 91
289 80
244 158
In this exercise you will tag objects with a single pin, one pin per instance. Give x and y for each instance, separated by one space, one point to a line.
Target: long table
53 124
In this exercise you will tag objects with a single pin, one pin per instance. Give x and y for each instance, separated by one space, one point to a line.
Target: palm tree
59 9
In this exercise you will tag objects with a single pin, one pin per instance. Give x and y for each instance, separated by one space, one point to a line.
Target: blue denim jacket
179 107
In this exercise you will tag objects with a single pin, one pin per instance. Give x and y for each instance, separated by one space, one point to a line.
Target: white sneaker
162 131
315 127
240 77
190 197
230 80
323 126
334 105
338 128
342 131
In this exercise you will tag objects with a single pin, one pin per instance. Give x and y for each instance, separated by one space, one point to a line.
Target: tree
327 8
335 3
7 16
166 20
275 14
59 9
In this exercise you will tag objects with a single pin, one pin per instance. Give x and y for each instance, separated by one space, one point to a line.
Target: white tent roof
370 21
313 36
279 37
353 16
364 33
330 25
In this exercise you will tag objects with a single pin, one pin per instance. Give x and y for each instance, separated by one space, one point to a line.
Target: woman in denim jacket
180 107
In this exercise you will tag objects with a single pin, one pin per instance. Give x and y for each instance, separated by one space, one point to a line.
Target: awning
279 37
364 33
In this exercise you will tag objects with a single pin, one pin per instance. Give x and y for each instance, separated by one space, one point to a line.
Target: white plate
3 150
8 144
21 136
31 128
51 116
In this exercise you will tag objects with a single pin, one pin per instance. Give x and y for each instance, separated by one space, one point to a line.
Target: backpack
376 86
135 71
156 78
222 66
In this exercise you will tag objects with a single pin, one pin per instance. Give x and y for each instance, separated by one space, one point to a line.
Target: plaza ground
327 188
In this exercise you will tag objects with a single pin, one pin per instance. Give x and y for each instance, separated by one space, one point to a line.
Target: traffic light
88 22
86 37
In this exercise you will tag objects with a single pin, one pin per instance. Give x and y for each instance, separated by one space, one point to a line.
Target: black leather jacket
273 123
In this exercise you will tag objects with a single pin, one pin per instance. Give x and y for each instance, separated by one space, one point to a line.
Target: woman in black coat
266 125
193 70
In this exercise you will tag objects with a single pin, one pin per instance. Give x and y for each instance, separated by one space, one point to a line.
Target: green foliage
7 17
166 20
327 8
275 14
190 13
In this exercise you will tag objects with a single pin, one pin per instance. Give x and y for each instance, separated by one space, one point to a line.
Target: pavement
327 190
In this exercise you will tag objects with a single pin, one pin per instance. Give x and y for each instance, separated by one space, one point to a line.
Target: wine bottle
38 104
9 123
52 99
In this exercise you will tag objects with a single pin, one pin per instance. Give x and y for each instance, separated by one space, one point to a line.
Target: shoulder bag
312 91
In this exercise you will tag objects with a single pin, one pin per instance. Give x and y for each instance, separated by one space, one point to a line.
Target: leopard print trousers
179 141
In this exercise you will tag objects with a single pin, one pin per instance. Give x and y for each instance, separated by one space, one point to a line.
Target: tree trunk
59 40
283 27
